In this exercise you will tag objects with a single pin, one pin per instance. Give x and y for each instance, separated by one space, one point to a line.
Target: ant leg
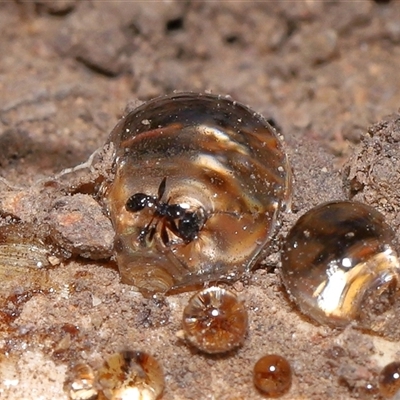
164 235
153 229
147 230
173 228
152 232
177 232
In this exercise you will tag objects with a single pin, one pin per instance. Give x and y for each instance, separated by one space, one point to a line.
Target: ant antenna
161 188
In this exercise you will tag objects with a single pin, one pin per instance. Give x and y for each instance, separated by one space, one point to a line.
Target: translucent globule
199 183
339 264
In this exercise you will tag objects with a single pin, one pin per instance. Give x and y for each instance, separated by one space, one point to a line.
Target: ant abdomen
137 202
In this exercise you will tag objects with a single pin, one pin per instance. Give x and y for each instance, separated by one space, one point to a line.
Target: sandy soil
323 71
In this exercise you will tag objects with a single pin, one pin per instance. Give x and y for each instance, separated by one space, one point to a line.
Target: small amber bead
215 321
272 375
131 375
389 380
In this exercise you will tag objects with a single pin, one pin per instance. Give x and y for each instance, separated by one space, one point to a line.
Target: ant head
189 226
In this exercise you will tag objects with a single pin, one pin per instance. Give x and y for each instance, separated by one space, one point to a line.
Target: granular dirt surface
325 72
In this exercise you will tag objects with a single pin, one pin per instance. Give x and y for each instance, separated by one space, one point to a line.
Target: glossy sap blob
272 375
389 380
200 180
339 263
215 320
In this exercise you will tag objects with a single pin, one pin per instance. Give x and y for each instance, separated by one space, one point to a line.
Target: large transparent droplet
339 264
200 181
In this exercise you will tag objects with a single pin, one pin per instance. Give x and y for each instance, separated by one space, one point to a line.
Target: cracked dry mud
325 72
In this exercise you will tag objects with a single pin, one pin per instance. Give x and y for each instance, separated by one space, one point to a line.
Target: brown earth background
324 71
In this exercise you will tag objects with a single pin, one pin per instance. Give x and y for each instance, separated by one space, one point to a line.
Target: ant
182 223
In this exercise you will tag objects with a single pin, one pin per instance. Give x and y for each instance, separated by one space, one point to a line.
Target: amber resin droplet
80 383
215 321
389 380
272 375
131 375
199 183
339 264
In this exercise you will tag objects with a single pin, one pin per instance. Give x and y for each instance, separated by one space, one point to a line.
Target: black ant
182 223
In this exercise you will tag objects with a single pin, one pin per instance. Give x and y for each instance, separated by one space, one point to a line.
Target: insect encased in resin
199 182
